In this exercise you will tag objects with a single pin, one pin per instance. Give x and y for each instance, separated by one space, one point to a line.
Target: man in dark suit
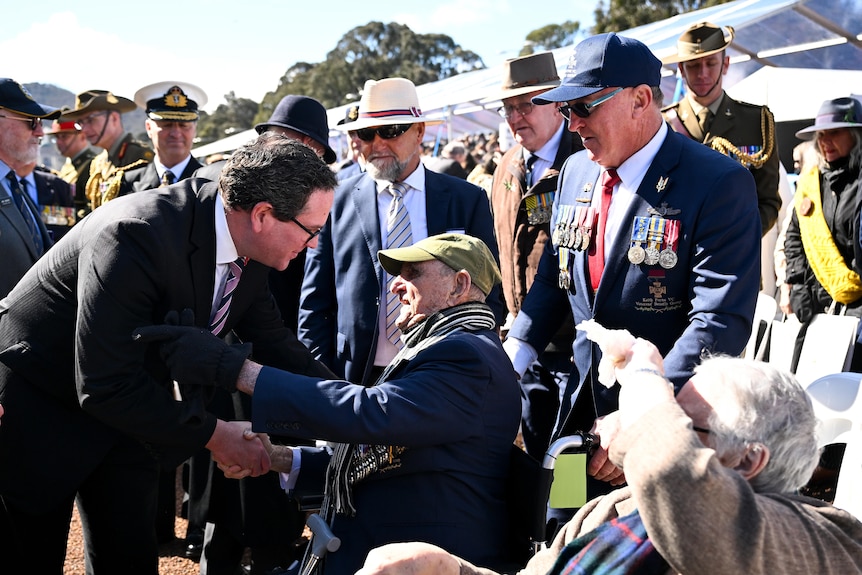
423 453
68 357
652 232
344 303
743 132
23 235
172 117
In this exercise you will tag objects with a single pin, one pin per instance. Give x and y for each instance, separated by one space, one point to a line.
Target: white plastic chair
764 313
837 401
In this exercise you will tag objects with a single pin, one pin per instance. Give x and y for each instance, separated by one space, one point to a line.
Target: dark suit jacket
705 302
455 407
147 178
341 289
741 124
51 190
16 244
66 335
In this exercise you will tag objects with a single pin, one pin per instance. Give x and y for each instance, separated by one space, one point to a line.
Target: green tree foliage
625 14
234 116
373 51
551 37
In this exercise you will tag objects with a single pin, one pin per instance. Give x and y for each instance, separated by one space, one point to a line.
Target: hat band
835 117
531 82
415 112
692 48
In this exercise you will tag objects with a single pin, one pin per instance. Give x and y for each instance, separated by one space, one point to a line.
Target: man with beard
23 236
347 314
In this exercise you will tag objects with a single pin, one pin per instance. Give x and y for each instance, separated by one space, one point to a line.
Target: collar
714 107
633 170
548 152
416 180
177 170
225 248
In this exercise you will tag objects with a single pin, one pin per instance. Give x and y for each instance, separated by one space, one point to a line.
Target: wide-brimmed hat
834 114
96 101
15 98
304 115
61 127
526 74
699 41
605 61
458 251
386 102
171 101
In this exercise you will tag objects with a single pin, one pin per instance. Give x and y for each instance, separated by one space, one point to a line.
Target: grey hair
276 169
772 409
855 154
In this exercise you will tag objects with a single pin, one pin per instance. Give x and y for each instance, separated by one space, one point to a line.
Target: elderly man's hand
231 448
600 466
410 559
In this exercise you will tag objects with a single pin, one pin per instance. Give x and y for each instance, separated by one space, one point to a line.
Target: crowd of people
378 332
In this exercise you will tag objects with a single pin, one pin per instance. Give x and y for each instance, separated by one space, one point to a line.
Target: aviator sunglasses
385 132
582 110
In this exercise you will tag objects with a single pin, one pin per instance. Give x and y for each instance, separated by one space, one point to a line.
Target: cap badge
175 98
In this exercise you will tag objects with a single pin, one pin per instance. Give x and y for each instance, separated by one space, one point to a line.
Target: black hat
350 115
304 115
171 101
15 98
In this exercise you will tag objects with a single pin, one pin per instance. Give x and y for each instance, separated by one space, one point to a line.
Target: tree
373 51
551 37
236 115
626 14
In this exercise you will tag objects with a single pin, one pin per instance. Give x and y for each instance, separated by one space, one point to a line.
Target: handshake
193 354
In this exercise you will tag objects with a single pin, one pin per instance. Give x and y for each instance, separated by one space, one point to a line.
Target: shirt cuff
288 480
521 354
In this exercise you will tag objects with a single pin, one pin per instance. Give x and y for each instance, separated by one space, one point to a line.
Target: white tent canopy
810 34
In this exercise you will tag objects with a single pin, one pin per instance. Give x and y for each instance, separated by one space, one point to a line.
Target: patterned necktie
597 257
219 318
398 234
24 206
168 178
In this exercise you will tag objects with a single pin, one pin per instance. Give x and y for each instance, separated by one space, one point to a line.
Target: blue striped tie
398 234
26 212
219 318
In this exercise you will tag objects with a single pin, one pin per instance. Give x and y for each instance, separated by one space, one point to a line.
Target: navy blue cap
605 61
15 97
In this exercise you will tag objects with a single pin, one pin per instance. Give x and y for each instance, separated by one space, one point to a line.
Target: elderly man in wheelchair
712 479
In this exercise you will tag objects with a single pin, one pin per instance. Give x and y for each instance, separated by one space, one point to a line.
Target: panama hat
526 74
386 102
699 41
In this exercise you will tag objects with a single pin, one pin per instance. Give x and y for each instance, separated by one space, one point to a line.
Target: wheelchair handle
582 442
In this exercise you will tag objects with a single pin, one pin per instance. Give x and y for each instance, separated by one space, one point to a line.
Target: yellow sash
827 263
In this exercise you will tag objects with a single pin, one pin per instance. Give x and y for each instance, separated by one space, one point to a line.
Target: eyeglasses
91 118
701 429
311 234
385 132
34 122
524 108
582 110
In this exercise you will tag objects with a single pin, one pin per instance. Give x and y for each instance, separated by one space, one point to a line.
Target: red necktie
597 257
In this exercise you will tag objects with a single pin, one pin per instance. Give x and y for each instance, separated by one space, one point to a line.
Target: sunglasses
385 132
582 110
34 122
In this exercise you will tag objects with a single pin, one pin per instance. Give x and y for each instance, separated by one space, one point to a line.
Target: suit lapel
202 254
364 198
437 198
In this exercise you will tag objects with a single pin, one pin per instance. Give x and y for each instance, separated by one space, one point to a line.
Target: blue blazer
455 407
704 303
340 294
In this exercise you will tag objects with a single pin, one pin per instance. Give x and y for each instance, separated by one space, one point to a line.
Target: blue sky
226 46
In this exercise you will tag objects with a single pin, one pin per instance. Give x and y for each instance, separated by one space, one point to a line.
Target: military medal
565 279
636 252
654 241
539 208
589 224
668 257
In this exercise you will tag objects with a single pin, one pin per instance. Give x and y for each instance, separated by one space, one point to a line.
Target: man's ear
461 285
753 461
257 214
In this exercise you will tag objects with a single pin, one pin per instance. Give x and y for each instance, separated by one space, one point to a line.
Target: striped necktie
26 209
219 317
398 234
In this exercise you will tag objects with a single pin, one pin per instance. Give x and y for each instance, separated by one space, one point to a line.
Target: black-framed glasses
34 122
386 132
311 234
701 429
524 108
582 110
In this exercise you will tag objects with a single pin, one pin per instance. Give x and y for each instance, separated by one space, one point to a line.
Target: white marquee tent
789 54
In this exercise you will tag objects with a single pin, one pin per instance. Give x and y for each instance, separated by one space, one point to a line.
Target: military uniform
76 171
745 133
107 168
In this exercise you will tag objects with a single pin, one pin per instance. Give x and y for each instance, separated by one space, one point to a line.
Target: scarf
351 463
620 546
827 263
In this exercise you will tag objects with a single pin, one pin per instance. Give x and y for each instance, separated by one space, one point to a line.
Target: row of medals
651 256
